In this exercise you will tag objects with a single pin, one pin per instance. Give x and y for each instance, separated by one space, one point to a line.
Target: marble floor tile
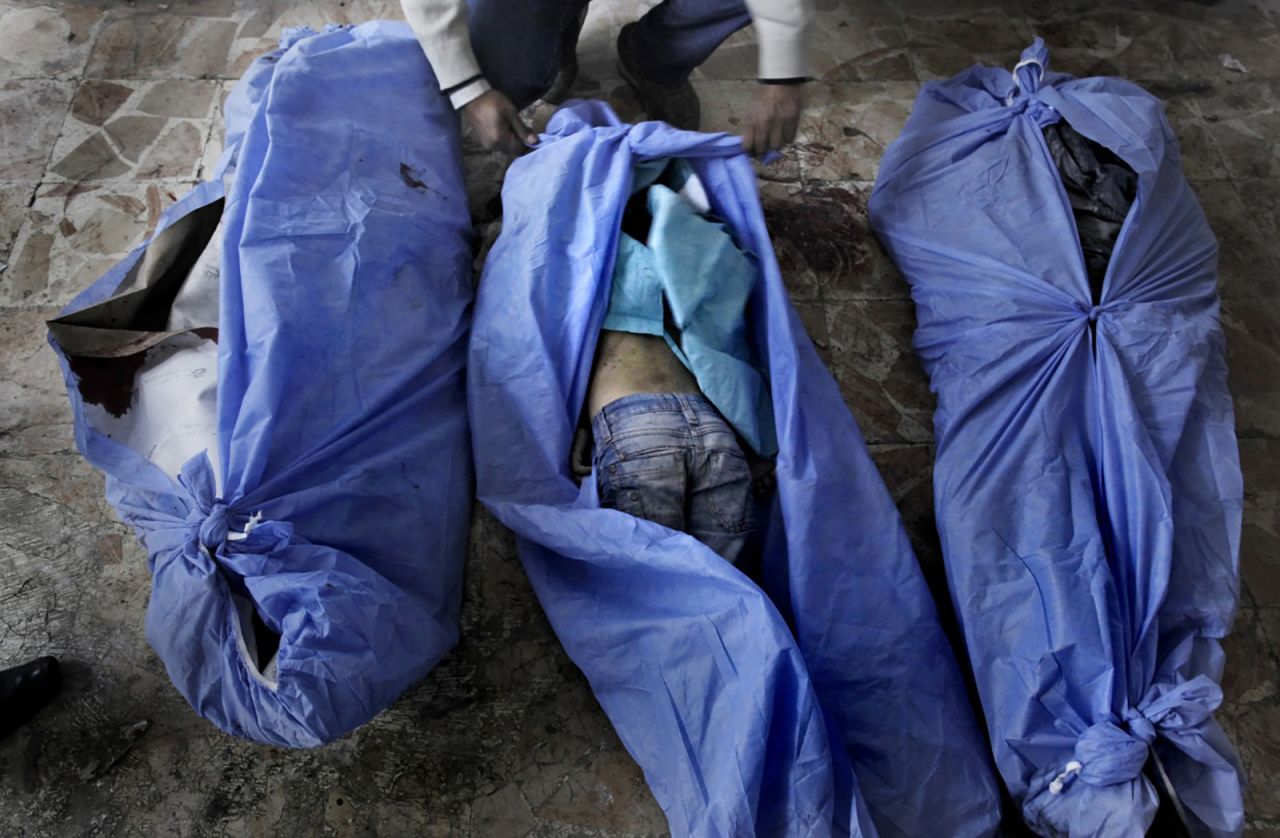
605 791
843 131
135 130
198 39
1260 535
1253 356
597 43
813 317
31 113
133 44
506 718
1138 45
737 59
261 26
865 48
1249 710
1201 160
937 9
1243 123
861 40
213 144
1257 738
824 244
35 419
74 232
60 543
908 473
879 375
943 44
1232 30
45 40
15 196
1260 553
1262 197
1252 670
1244 224
262 23
847 126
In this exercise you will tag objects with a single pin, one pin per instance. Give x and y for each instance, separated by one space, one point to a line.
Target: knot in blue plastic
1140 726
1093 313
1110 754
1030 69
214 528
1031 105
1107 754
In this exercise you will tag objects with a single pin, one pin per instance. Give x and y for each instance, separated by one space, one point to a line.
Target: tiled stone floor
109 111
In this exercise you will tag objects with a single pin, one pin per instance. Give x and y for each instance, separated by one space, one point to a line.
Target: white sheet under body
174 412
196 305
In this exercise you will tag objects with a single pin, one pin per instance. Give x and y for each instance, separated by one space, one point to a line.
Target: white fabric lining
173 415
196 305
267 675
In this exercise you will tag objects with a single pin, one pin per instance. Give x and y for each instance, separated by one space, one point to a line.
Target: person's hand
773 118
580 455
497 124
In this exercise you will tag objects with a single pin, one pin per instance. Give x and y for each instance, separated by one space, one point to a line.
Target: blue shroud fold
1087 484
340 423
774 711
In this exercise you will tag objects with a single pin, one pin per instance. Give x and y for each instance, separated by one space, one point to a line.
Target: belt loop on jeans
602 417
687 407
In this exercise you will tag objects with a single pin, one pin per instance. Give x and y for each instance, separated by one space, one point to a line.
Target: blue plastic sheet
827 702
1087 483
341 422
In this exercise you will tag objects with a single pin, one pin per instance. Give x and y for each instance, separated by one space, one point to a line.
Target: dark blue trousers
521 44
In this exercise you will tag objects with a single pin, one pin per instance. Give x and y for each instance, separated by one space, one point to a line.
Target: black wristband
449 91
796 80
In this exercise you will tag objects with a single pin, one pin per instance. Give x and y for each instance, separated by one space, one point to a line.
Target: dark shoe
564 81
677 106
568 72
25 690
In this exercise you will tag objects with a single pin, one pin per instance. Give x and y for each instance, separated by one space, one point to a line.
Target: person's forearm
782 32
441 28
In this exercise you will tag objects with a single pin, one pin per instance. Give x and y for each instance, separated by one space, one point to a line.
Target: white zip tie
254 520
1017 83
1060 782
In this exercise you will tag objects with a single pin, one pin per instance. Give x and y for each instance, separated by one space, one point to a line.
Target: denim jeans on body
672 459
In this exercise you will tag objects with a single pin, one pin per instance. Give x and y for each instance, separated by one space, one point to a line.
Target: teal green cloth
691 264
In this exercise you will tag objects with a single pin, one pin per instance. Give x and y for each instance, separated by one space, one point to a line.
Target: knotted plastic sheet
345 471
826 702
1087 482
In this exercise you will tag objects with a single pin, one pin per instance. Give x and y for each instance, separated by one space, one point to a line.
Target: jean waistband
695 407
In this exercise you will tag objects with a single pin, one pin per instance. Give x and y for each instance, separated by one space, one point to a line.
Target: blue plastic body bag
830 705
1087 483
345 474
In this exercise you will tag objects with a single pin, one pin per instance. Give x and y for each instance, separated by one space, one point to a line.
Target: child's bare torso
628 363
